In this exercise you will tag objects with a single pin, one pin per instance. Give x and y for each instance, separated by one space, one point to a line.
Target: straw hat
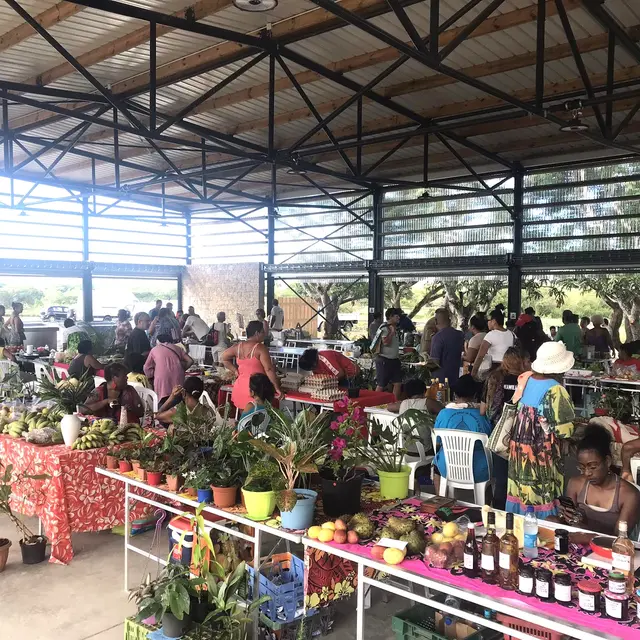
553 357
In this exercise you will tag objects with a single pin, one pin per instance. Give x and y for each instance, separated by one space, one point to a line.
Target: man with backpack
386 347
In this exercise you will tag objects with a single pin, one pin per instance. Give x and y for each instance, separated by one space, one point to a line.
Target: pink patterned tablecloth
74 498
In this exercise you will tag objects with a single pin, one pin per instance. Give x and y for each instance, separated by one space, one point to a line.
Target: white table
287 356
337 345
160 499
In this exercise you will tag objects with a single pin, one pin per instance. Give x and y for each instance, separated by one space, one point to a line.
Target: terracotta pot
112 462
142 474
224 497
154 478
600 411
174 483
135 464
191 492
4 552
124 466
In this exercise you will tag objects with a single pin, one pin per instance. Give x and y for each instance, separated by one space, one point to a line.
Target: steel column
376 287
187 230
271 211
514 287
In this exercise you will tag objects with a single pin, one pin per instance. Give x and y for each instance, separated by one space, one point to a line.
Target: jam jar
544 589
562 587
589 592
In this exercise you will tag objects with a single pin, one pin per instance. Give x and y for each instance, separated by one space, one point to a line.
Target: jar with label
589 592
617 582
562 587
616 606
561 541
544 589
525 579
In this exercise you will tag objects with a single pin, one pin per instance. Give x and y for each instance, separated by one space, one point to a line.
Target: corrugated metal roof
246 117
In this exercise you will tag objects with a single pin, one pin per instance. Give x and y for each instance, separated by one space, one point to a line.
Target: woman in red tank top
250 357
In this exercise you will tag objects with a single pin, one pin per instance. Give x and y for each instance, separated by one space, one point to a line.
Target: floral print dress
545 415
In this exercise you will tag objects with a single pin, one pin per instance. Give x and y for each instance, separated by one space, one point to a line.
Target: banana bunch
105 427
16 428
41 419
127 433
90 440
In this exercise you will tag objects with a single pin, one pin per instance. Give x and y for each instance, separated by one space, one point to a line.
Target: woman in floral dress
545 417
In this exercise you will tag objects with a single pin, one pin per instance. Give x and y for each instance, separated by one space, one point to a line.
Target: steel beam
405 21
540 43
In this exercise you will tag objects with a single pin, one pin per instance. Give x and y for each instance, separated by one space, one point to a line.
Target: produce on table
446 548
105 432
393 556
33 421
407 531
345 529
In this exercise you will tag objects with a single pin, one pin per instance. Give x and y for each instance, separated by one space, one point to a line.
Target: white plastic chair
149 398
251 422
98 380
197 352
7 367
206 400
458 449
42 371
63 374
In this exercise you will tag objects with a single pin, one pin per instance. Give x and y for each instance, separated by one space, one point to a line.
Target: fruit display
44 436
32 421
446 548
348 529
101 433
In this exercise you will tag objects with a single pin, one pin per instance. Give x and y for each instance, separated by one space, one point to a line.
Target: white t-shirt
197 325
412 403
499 342
277 313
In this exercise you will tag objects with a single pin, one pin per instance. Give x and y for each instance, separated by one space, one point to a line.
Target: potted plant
168 599
259 490
32 546
387 448
341 475
112 459
200 480
123 456
297 445
153 465
5 543
227 466
173 451
67 395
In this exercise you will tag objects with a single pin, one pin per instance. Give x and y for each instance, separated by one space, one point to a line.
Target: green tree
403 295
329 298
466 297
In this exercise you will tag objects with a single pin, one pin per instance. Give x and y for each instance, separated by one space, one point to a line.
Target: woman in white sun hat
545 416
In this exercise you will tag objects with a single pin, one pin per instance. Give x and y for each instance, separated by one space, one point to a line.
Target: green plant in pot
260 487
227 465
297 445
32 546
154 464
386 450
168 599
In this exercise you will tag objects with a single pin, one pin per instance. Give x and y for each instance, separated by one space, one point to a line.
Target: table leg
360 603
126 536
257 544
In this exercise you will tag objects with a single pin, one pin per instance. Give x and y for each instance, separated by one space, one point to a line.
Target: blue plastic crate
282 579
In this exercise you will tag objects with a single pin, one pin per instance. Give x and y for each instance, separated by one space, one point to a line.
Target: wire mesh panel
462 220
582 209
325 230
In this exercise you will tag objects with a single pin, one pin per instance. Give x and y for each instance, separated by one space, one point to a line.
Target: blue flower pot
301 516
205 495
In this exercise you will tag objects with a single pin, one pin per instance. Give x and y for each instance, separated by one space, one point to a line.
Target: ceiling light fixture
22 214
255 6
574 125
424 196
296 169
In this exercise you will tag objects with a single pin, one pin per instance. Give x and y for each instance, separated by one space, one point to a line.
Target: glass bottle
471 555
490 551
447 391
509 548
623 555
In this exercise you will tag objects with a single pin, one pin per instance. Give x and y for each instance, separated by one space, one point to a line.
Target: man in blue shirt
447 346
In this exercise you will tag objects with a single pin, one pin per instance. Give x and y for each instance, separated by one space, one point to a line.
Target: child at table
135 363
262 392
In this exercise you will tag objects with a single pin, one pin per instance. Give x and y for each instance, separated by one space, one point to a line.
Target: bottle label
621 561
505 561
531 540
542 589
613 608
617 587
563 592
488 562
525 585
469 561
557 543
587 601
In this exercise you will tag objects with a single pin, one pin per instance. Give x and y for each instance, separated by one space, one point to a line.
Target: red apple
377 552
353 537
340 536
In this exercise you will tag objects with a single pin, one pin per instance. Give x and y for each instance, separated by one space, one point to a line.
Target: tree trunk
615 322
397 291
331 326
430 296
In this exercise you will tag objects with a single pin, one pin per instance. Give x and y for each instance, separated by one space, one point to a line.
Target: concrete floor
86 599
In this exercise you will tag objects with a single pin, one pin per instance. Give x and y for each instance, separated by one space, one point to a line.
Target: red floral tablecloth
74 498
